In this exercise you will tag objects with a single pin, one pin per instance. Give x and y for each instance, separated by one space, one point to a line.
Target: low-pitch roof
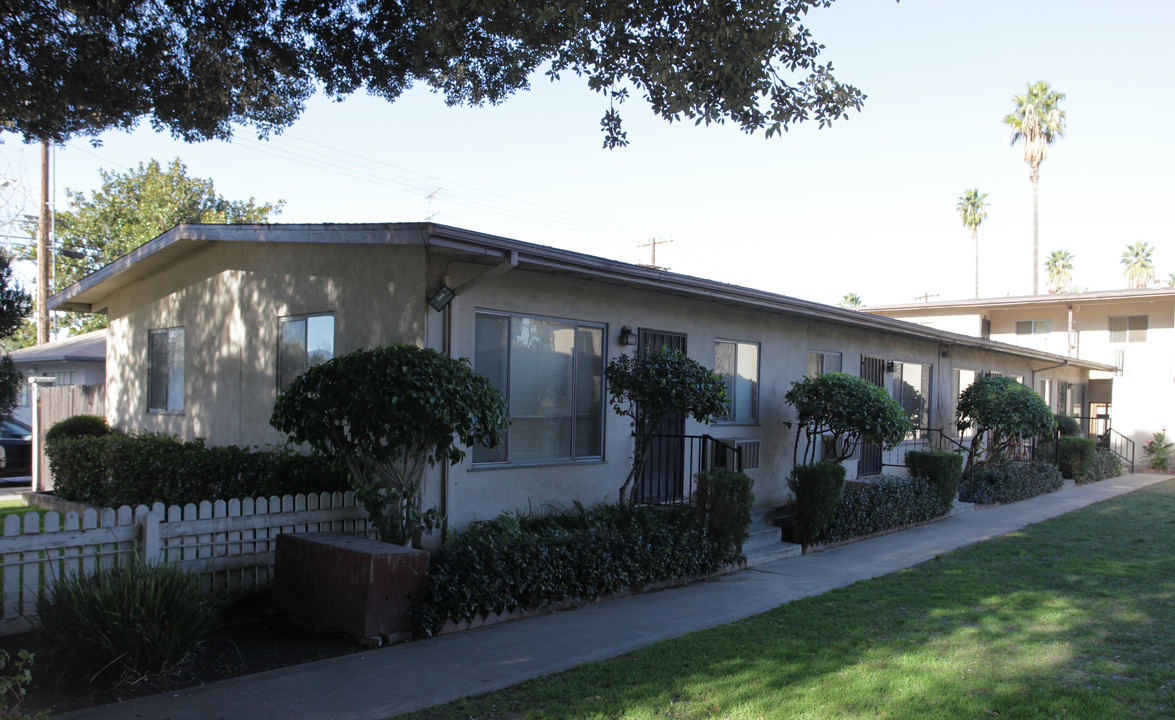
88 347
90 293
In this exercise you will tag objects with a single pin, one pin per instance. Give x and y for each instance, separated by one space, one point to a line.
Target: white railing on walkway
231 543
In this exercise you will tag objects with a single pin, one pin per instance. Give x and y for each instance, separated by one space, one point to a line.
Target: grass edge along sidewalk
1073 617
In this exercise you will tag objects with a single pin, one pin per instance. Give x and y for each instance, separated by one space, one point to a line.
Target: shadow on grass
1071 618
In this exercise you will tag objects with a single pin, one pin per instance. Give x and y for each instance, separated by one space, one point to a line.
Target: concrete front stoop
765 543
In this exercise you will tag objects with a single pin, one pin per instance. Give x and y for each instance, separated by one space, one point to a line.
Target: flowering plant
1158 452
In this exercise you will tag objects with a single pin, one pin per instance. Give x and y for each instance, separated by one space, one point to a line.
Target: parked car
16 448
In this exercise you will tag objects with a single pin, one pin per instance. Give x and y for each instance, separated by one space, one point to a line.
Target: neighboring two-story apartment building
1133 330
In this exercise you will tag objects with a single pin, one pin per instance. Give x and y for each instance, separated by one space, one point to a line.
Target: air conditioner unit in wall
721 455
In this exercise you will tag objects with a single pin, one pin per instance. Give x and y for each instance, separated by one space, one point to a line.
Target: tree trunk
1035 233
975 237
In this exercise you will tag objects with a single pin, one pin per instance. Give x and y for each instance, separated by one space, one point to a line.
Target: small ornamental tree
650 387
849 410
1005 412
387 413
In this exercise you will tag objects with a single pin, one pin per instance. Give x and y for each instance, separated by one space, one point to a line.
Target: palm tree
1060 270
1139 268
1037 121
972 207
851 301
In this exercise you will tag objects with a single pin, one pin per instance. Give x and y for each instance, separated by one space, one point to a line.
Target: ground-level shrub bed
1073 455
1105 465
125 621
1069 618
1009 482
533 562
118 469
881 505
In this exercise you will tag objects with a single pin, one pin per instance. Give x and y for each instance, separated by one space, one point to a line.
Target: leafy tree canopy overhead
128 210
198 68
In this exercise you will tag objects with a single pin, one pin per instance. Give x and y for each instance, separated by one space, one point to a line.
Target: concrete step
779 551
762 515
764 543
962 507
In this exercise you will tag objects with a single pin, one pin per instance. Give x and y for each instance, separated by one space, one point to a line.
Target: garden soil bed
251 638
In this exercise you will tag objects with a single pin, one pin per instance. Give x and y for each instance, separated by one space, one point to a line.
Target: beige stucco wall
229 298
784 345
1144 393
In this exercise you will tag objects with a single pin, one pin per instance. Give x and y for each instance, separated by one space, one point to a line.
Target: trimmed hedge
1105 465
723 501
1067 426
1009 482
1074 456
886 504
117 469
536 562
817 489
77 426
942 470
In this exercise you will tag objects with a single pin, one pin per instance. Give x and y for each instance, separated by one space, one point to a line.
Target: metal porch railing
673 461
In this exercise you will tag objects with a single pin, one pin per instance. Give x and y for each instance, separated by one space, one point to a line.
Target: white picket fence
231 543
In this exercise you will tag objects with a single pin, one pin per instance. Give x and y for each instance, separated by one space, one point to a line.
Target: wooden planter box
361 587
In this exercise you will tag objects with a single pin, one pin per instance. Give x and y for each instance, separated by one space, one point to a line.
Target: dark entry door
873 370
662 479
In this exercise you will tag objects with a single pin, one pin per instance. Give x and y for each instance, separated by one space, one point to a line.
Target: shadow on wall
231 305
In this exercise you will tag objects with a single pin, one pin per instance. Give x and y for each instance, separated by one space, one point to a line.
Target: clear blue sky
866 206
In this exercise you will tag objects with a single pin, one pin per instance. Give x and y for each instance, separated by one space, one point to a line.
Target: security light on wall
442 298
627 336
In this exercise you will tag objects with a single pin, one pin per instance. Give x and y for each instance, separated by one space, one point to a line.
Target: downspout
447 351
1072 332
1047 367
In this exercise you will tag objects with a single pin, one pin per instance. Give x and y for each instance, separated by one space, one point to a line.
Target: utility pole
43 260
653 244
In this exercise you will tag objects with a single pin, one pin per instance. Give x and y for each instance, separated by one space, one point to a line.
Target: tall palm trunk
1035 232
975 237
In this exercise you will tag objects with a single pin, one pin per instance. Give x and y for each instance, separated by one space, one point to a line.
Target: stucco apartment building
208 322
1131 330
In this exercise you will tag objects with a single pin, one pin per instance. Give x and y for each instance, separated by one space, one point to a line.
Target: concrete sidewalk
416 675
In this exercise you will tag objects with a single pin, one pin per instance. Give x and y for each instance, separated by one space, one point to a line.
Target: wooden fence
59 403
230 543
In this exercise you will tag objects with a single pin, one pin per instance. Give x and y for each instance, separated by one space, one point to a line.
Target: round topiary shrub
78 426
1067 426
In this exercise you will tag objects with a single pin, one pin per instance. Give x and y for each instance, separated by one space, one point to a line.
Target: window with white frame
820 362
1128 328
1046 391
165 371
1032 327
305 341
738 364
911 388
551 372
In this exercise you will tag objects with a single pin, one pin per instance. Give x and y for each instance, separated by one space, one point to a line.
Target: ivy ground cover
1071 618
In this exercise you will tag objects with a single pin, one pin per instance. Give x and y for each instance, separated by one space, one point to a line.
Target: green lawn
16 506
1071 618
